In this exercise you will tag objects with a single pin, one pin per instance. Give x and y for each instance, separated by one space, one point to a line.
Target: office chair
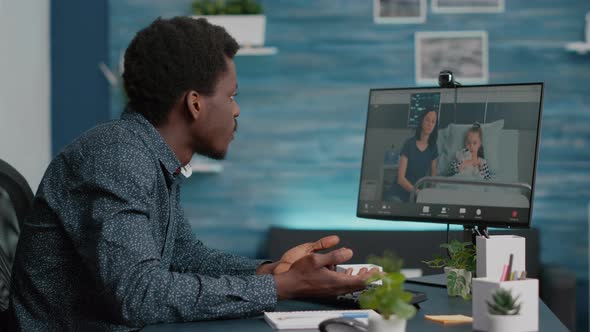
16 198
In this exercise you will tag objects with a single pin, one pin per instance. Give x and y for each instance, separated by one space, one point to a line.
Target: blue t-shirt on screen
419 163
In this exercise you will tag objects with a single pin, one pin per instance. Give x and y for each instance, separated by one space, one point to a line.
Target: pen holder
494 252
527 291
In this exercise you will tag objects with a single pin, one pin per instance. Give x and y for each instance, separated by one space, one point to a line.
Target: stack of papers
310 320
450 319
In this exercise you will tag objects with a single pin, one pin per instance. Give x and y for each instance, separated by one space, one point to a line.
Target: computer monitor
464 155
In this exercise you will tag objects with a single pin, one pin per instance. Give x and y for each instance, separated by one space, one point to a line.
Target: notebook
310 320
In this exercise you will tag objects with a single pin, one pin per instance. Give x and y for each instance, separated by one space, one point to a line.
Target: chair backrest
16 198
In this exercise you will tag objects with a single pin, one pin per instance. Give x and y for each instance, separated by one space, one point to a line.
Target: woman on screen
418 155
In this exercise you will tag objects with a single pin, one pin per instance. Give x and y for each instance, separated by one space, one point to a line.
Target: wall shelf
201 164
578 47
206 168
264 50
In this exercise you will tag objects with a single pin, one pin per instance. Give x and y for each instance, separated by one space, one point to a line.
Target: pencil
504 271
509 266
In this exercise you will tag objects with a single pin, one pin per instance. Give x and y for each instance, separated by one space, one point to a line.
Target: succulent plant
503 303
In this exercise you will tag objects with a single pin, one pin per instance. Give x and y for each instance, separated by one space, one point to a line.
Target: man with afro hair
106 246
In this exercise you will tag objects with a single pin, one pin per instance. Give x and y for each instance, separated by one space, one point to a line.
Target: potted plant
503 311
242 19
459 267
391 301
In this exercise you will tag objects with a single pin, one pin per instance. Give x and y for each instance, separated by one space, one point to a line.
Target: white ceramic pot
247 30
378 324
462 282
504 323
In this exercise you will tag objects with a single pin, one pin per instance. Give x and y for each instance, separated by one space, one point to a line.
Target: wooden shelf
200 164
206 168
578 47
258 51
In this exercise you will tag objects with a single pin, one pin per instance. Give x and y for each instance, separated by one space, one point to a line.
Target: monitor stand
440 280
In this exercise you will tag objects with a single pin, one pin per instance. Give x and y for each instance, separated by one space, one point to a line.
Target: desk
438 303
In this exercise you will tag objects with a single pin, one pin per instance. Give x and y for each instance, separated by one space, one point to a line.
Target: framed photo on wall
465 53
467 6
399 11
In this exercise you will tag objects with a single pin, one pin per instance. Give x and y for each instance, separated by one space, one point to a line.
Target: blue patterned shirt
107 247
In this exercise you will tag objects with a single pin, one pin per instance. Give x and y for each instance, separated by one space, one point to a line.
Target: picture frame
467 6
465 53
399 11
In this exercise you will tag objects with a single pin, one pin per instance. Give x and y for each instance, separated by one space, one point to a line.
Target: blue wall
79 92
297 155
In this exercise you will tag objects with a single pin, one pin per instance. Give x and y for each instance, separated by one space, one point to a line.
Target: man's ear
193 102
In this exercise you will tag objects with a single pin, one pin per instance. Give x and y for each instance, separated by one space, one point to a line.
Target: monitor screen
463 155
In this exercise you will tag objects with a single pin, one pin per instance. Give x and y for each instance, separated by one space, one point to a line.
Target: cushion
452 139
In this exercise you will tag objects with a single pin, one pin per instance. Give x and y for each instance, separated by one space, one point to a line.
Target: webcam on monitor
446 79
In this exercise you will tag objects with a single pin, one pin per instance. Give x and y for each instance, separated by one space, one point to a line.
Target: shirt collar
155 141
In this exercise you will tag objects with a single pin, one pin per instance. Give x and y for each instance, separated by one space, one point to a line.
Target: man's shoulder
107 135
108 149
114 143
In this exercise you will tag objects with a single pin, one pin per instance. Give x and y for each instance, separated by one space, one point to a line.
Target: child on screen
469 161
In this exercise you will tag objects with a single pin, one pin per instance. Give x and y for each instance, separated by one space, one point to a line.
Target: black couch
557 286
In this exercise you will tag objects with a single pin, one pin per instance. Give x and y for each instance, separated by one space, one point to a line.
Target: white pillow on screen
442 162
454 140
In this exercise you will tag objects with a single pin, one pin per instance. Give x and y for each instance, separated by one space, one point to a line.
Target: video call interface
464 155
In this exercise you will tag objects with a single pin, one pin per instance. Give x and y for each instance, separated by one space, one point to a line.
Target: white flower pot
379 324
465 281
247 30
527 292
504 323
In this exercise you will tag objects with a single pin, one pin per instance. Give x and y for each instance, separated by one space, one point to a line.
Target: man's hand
311 277
294 254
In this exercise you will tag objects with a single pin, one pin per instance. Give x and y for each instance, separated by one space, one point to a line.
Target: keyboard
351 300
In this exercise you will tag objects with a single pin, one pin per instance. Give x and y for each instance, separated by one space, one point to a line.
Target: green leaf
403 310
452 283
462 256
389 298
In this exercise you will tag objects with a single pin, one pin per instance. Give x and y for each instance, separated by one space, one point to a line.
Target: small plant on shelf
242 19
229 7
459 267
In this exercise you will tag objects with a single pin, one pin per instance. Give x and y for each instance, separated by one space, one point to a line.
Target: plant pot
247 30
458 282
504 323
379 324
